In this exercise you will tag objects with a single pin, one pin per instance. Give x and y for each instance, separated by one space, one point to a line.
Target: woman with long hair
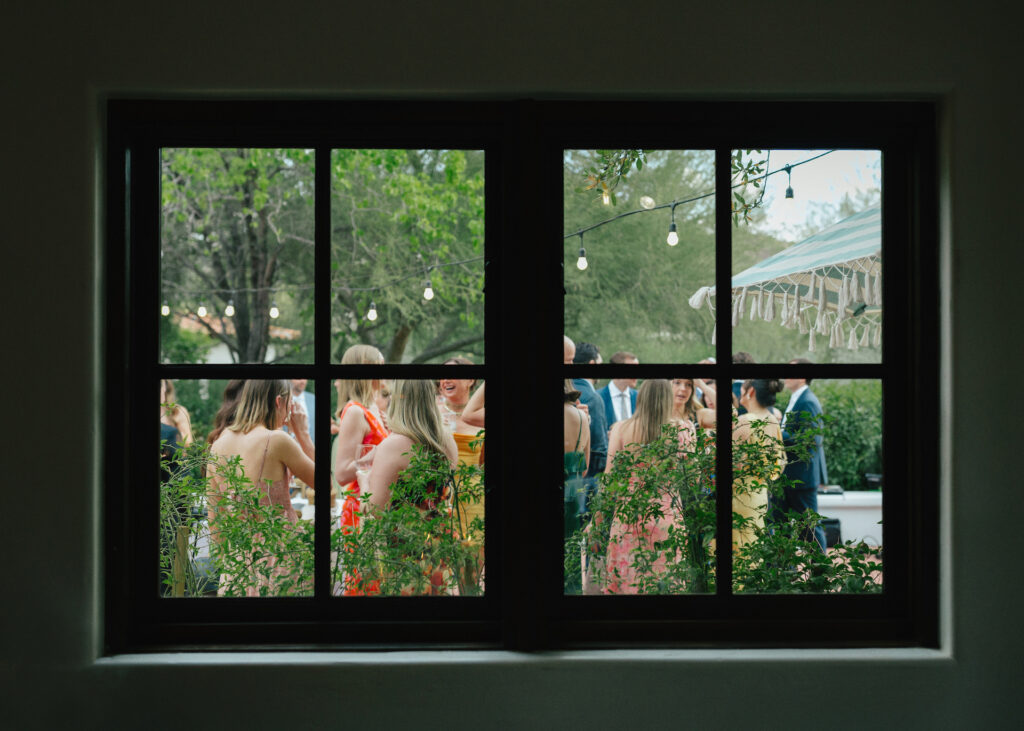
414 420
173 413
687 407
360 424
268 458
759 465
655 408
226 413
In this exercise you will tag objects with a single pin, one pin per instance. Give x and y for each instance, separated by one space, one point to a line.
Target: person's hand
298 420
335 426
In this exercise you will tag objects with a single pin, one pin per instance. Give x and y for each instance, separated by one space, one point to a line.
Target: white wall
59 57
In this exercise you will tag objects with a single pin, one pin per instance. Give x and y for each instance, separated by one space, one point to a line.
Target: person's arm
614 444
392 457
298 425
351 434
585 438
708 391
284 448
473 414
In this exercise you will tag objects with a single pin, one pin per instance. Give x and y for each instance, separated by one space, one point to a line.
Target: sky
822 181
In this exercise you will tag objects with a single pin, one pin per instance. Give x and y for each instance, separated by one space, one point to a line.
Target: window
522 150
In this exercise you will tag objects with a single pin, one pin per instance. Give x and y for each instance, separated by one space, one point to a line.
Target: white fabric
621 406
792 402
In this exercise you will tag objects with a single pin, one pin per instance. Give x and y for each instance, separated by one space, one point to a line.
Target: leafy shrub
853 430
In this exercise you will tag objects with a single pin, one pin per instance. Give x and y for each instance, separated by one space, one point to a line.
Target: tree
400 219
238 229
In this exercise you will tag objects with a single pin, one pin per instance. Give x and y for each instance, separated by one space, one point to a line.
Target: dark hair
569 394
803 361
585 352
623 356
742 356
226 413
764 389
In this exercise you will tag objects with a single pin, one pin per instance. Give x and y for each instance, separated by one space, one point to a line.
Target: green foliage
672 487
853 430
178 345
399 219
418 544
255 550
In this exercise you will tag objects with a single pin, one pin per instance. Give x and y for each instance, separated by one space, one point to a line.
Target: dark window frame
524 608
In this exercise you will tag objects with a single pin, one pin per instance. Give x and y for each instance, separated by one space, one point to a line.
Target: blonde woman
655 407
687 407
360 423
268 455
173 413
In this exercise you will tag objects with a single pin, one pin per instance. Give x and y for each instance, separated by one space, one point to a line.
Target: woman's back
258 452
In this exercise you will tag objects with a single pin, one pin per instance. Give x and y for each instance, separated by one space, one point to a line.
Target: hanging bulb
673 237
428 291
372 314
229 311
789 188
165 309
581 263
606 198
646 202
201 311
274 312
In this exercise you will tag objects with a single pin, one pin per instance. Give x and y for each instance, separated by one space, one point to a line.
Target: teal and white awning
829 283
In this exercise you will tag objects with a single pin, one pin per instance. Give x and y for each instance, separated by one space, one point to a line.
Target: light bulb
201 311
605 198
673 237
229 311
581 263
165 309
372 314
428 292
646 202
274 312
789 196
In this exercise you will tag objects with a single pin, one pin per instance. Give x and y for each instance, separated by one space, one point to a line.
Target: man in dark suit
803 412
619 396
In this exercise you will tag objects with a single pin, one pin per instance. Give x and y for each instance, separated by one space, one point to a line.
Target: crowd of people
601 423
266 425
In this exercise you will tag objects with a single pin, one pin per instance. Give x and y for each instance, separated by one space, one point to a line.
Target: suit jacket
806 414
609 409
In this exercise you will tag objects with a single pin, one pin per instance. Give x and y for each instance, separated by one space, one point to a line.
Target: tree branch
447 348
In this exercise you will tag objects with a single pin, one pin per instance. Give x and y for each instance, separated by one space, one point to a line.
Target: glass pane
407 248
236 256
807 255
409 458
645 523
638 249
807 501
235 510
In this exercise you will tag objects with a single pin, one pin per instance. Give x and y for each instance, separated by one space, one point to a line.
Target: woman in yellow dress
754 469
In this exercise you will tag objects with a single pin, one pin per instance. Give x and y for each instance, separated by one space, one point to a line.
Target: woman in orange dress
360 424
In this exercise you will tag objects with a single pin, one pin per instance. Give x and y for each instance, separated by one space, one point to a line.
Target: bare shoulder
394 445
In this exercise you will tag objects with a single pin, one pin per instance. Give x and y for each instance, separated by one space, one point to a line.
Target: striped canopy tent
828 285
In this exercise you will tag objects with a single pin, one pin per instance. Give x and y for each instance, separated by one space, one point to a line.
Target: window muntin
904 133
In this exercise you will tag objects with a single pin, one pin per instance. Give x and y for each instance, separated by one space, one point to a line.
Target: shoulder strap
263 462
579 432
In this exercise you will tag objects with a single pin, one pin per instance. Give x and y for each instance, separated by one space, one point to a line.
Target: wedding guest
360 424
619 395
576 457
268 458
173 413
654 409
414 419
751 478
473 414
686 407
706 390
307 401
228 405
741 357
588 353
568 350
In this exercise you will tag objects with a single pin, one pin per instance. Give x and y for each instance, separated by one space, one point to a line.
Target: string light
646 202
165 309
201 311
274 312
372 314
789 186
229 311
605 198
673 237
428 291
581 263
